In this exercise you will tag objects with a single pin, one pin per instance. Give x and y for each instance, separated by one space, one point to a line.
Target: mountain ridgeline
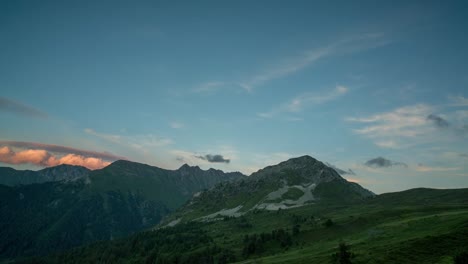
67 206
12 177
299 211
293 183
173 187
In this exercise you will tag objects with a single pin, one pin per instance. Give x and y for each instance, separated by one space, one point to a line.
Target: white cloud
458 101
300 102
424 168
387 144
393 129
209 87
307 58
461 116
107 137
176 125
135 141
287 68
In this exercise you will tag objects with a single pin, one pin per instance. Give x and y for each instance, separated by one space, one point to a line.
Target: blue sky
376 87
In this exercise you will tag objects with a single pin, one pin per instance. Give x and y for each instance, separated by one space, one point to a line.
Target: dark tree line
184 243
255 244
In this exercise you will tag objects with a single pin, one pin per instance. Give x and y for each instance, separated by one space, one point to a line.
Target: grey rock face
305 167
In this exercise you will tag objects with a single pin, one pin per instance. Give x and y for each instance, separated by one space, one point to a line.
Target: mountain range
293 212
67 206
12 177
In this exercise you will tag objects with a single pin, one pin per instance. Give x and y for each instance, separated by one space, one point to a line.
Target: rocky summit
289 184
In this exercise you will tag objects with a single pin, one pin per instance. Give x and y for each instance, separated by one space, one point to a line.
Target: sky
376 89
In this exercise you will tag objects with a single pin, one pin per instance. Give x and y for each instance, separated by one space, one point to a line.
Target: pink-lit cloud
47 158
60 149
353 180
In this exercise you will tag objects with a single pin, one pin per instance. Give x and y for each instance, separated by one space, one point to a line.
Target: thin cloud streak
299 103
208 87
8 105
176 125
60 149
341 171
345 45
458 101
389 129
137 141
286 69
307 58
424 168
412 125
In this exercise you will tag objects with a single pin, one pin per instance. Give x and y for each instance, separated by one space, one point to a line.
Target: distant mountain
120 199
12 177
290 184
173 187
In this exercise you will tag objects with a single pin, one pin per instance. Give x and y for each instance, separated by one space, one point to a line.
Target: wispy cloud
438 121
18 108
189 157
287 68
214 158
224 154
18 152
391 128
461 116
300 102
381 162
135 141
424 168
209 87
107 137
458 100
353 180
176 125
413 125
309 57
60 149
293 64
340 171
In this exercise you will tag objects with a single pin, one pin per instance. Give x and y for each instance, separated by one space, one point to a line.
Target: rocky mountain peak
187 169
304 168
184 167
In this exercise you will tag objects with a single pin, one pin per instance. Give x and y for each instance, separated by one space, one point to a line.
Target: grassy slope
392 228
148 181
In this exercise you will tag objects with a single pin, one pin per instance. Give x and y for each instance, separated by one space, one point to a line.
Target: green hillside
375 230
121 199
298 211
